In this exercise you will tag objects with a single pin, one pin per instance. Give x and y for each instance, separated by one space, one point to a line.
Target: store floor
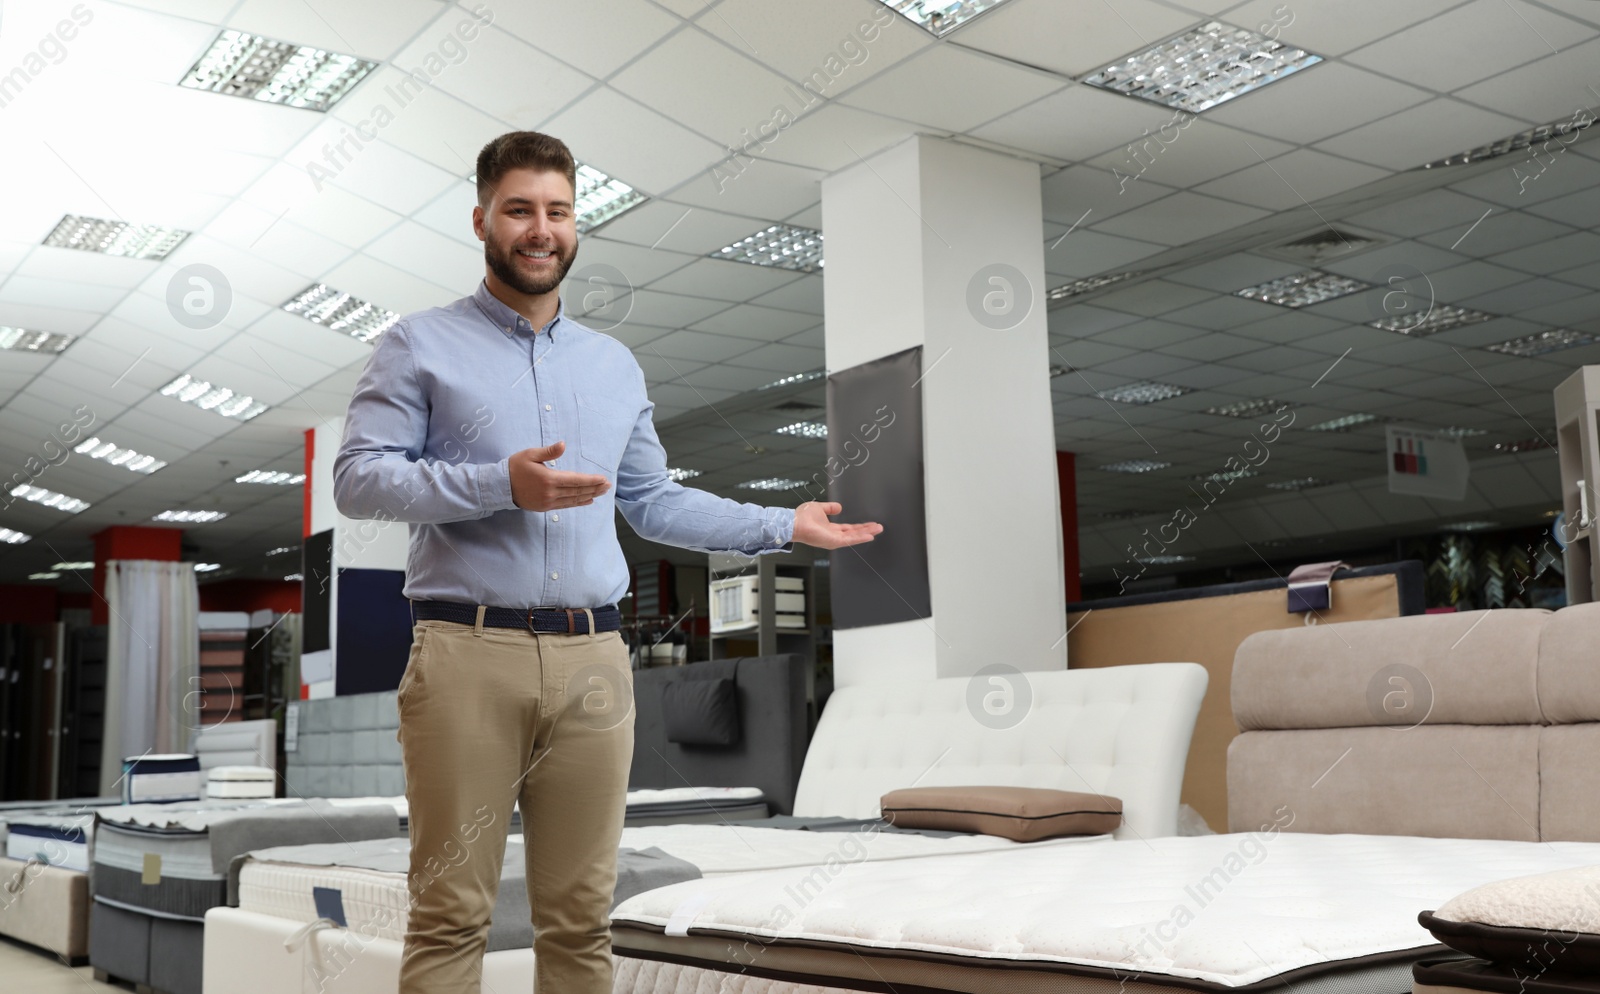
32 971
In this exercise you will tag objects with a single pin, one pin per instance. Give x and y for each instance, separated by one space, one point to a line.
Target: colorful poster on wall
1425 463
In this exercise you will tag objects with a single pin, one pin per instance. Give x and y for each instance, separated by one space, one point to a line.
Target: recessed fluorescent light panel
340 311
266 476
1345 423
1133 466
781 245
771 483
601 198
1543 343
132 241
1469 526
1457 432
99 448
191 517
43 576
1249 408
1439 317
73 566
1088 283
203 395
1517 142
276 72
1223 476
280 550
940 17
206 567
1163 560
21 340
1203 67
1303 483
10 537
295 577
804 429
677 474
1144 392
1303 289
815 374
49 498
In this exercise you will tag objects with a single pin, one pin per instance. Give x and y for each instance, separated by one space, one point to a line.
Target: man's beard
505 270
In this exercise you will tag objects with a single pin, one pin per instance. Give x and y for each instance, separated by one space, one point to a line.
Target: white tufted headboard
1120 730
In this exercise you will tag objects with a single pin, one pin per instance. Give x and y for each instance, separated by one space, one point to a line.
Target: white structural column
940 244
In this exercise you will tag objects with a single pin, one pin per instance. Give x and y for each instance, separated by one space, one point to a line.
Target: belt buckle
571 625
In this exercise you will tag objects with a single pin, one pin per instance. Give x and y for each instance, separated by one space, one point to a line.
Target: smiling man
507 435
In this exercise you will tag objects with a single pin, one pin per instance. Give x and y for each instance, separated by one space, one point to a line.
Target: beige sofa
1484 724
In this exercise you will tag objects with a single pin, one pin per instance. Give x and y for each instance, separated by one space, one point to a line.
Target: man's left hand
812 527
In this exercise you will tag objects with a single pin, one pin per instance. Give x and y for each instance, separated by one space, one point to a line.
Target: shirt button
547 407
555 576
555 517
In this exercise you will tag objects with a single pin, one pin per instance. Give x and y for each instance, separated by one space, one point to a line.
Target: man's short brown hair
522 150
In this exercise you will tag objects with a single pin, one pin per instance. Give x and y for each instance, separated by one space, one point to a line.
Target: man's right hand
537 487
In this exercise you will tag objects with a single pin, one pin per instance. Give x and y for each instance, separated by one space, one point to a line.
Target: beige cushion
1450 781
1022 814
1475 667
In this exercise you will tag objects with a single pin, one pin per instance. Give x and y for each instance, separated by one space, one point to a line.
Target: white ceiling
657 93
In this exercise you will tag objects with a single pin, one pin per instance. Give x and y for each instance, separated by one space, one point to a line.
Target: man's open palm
812 527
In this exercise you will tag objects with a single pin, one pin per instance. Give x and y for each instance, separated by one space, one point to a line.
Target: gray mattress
511 926
182 872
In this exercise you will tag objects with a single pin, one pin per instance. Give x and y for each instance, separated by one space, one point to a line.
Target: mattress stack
160 779
55 838
232 782
157 869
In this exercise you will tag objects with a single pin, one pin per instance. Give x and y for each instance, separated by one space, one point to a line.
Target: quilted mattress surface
1230 910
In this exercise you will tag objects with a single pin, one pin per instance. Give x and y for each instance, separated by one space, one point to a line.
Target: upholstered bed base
45 906
245 954
1483 725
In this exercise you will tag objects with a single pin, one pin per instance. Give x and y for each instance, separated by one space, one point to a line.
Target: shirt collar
508 320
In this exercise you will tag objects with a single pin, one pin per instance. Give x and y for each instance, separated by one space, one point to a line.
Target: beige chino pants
492 716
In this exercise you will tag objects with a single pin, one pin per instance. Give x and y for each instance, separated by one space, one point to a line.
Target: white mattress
64 844
646 798
375 902
1226 909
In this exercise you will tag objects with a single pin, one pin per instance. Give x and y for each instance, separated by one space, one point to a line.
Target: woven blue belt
553 620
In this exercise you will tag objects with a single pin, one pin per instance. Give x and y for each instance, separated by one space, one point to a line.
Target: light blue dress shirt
451 392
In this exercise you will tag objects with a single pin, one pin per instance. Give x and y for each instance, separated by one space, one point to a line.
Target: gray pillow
701 712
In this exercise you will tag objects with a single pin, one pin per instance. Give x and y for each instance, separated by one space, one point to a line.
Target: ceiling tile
627 139
1421 134
1077 123
947 88
1180 218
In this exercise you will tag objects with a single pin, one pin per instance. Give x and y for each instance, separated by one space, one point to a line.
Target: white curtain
152 662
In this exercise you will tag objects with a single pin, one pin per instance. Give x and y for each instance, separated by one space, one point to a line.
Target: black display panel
874 470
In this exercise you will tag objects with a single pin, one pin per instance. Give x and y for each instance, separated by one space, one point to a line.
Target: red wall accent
305 491
251 595
1067 473
27 603
129 542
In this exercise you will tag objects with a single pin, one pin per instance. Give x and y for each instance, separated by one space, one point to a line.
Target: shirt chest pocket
603 436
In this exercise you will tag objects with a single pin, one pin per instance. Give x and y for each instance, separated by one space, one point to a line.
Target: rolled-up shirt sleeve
381 471
665 511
